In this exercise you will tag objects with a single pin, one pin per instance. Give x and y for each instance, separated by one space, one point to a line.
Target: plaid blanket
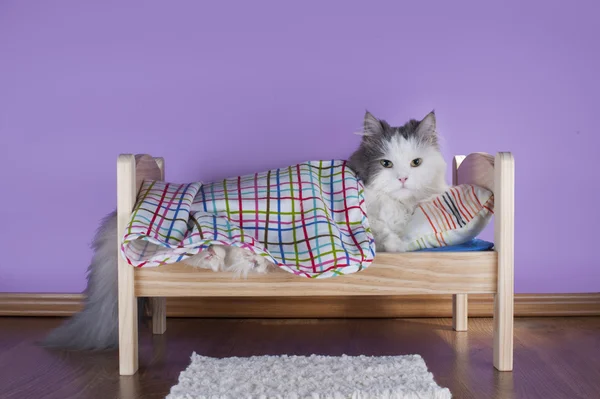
309 219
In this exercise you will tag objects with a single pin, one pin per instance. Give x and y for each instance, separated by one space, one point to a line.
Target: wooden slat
128 324
147 168
460 312
159 304
390 274
460 302
159 315
480 305
504 227
456 161
477 168
160 163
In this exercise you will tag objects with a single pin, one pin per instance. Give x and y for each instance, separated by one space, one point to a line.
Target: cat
399 167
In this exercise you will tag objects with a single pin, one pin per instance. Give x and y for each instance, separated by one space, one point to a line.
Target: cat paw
216 258
213 258
243 261
261 265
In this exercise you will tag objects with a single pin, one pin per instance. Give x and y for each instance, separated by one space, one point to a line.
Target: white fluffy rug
310 377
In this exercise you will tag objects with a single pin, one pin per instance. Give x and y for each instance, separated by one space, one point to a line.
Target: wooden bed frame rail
457 273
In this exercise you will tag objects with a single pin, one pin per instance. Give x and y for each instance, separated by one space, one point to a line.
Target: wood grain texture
504 227
477 168
556 358
460 318
480 305
456 161
159 315
159 305
390 274
460 312
40 304
146 168
160 163
127 181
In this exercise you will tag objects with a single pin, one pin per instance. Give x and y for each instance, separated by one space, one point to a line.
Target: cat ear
372 125
426 128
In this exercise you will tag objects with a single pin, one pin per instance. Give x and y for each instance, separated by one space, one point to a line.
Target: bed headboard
476 168
148 168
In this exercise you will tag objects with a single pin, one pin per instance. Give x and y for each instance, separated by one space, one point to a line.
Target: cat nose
403 179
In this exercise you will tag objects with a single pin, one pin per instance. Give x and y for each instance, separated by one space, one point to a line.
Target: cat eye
385 163
416 162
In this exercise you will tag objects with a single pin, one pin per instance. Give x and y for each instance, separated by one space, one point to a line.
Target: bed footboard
504 228
460 304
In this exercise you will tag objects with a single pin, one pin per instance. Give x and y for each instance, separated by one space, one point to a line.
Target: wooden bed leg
128 316
128 322
159 305
159 315
460 312
504 246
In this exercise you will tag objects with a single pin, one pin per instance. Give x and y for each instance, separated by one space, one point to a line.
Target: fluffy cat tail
96 327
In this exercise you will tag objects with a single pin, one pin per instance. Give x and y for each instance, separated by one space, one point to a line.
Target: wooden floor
554 357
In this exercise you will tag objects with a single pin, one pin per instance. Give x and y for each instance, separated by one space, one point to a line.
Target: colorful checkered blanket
309 219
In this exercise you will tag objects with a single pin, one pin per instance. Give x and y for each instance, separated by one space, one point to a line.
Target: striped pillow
452 218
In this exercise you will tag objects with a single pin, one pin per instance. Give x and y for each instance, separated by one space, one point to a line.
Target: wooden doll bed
456 273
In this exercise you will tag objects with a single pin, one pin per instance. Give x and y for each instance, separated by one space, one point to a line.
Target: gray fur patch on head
377 132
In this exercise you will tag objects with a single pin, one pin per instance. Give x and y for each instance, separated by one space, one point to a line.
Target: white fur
230 259
391 203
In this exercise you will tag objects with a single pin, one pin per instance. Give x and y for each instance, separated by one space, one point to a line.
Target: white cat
400 168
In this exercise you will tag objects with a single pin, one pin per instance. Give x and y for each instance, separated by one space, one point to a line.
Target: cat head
404 162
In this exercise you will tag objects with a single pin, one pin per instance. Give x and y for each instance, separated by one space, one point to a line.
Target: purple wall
237 87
